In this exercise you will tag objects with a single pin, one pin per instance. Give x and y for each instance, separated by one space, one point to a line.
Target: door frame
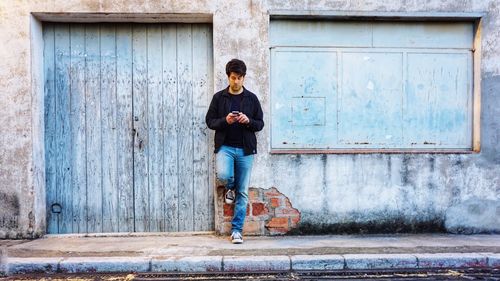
39 213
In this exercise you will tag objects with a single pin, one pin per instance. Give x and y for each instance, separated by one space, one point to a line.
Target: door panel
126 144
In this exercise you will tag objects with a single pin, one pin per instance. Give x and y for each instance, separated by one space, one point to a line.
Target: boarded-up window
371 85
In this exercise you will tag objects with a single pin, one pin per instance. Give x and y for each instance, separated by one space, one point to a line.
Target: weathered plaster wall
333 192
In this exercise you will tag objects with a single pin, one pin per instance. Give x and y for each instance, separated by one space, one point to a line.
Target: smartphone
235 112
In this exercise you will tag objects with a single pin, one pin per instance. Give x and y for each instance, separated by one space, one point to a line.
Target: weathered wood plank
50 126
436 110
141 141
185 124
210 89
201 74
307 116
422 35
171 172
108 129
93 131
320 34
370 107
125 141
77 119
63 127
155 128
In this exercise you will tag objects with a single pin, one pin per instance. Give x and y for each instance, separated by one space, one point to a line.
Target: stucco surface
327 189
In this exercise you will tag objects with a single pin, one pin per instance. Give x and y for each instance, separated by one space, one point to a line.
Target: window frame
474 18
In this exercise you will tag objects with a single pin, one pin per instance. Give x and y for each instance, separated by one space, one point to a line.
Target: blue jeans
233 170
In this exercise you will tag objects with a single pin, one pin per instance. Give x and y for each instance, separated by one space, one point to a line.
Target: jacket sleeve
213 121
257 121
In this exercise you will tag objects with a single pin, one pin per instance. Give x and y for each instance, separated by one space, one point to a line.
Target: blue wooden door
125 141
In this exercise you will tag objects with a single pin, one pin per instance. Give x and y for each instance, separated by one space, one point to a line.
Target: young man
235 114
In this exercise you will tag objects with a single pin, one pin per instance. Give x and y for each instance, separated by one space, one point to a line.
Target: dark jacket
219 109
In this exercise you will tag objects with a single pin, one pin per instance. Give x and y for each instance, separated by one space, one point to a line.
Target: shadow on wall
385 225
9 211
474 216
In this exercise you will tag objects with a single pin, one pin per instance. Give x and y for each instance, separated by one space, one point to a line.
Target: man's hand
242 118
231 118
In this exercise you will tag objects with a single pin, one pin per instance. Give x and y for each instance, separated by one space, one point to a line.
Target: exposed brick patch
228 210
272 192
269 212
275 202
278 223
259 209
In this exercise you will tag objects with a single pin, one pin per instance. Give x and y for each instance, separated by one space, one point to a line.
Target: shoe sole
237 241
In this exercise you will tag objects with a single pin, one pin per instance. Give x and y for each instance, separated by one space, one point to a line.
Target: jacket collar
227 94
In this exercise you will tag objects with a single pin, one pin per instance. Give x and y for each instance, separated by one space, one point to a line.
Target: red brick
253 195
294 220
286 211
228 210
278 223
273 192
252 228
248 209
259 209
278 231
275 202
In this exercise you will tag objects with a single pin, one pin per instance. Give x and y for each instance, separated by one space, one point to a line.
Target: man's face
236 81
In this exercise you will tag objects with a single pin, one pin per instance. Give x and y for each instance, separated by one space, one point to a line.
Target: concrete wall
334 193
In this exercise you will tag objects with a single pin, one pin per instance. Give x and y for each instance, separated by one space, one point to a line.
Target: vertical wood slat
108 128
201 68
141 142
50 126
155 128
210 142
77 120
63 129
124 128
93 131
185 132
171 173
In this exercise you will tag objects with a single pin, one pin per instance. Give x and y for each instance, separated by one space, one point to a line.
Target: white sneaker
229 197
236 238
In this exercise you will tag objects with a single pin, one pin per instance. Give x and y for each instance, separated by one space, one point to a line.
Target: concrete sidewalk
207 252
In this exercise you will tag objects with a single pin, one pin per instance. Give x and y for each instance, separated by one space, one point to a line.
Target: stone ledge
256 263
105 264
187 264
376 261
493 259
320 262
31 265
444 260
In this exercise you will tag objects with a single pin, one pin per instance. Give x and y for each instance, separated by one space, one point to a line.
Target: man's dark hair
237 66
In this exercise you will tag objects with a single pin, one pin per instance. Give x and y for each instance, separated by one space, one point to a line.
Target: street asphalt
206 252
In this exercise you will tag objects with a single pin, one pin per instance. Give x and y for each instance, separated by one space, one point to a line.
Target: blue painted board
93 132
155 128
124 128
63 126
50 128
107 37
78 136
